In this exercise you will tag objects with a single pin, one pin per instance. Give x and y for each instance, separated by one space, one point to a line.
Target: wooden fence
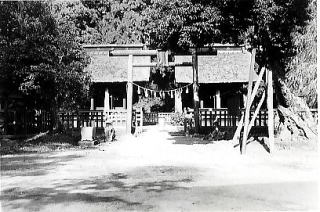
96 118
166 117
25 122
208 116
150 118
29 122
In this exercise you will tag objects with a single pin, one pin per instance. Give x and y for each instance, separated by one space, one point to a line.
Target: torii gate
195 52
131 54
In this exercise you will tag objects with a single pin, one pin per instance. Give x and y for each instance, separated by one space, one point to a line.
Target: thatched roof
225 67
104 68
231 64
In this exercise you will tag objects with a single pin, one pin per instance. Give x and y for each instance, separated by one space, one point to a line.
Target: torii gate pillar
129 96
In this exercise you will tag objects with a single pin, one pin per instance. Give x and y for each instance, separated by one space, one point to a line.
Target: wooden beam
133 52
238 130
256 112
106 104
129 96
195 92
256 86
218 99
124 103
270 111
177 102
92 104
111 102
248 105
153 64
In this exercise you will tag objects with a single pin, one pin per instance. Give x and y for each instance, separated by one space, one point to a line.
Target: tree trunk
295 120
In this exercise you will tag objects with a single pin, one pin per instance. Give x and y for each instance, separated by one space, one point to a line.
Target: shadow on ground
126 190
33 164
180 138
113 194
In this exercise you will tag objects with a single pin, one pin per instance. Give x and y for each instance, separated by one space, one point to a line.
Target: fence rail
166 117
29 122
209 116
96 118
150 118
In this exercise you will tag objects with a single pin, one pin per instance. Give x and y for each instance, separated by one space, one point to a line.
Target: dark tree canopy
58 29
40 57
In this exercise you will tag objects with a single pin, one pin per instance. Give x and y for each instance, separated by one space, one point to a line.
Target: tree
274 24
267 25
82 20
40 57
301 75
178 25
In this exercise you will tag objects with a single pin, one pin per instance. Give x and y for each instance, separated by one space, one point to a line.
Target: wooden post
111 102
124 103
270 111
92 104
90 114
106 105
195 91
256 112
129 96
238 130
248 105
218 99
256 86
177 102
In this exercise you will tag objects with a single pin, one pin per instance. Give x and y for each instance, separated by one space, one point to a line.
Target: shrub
177 119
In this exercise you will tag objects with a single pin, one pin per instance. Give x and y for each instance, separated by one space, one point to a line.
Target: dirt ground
161 171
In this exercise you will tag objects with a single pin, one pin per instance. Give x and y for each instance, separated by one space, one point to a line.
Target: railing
25 122
150 118
118 117
224 119
165 116
96 118
138 117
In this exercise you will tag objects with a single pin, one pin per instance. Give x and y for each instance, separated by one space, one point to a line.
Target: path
158 172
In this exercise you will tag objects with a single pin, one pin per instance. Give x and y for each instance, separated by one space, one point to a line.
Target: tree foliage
276 28
179 24
302 68
104 21
40 57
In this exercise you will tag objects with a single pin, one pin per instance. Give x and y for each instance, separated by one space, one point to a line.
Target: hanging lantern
187 90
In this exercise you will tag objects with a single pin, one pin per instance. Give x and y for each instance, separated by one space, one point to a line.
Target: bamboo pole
129 95
248 105
270 111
